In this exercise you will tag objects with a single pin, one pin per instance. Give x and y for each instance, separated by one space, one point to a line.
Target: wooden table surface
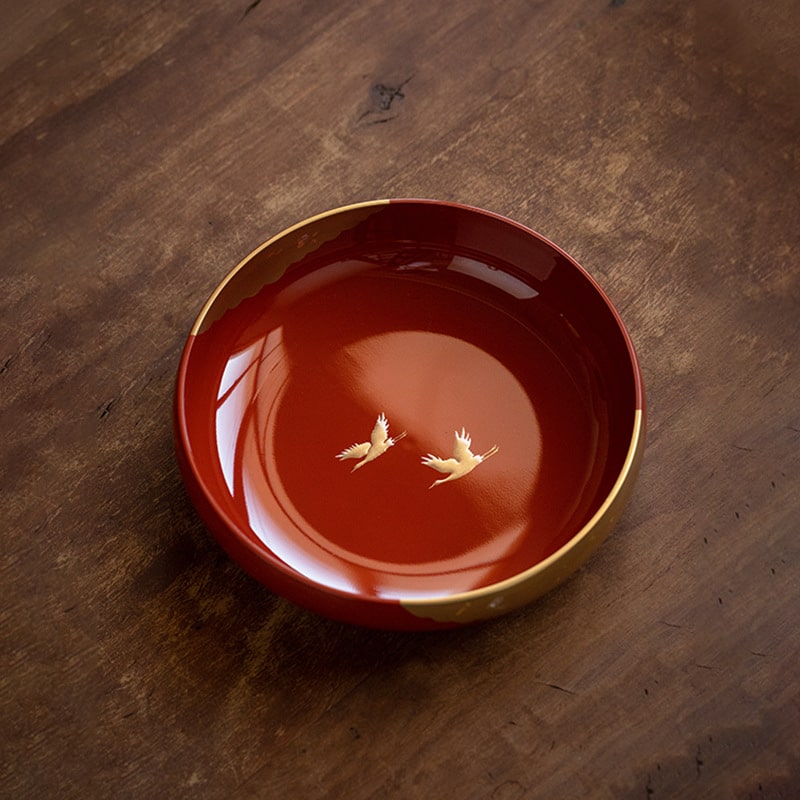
147 147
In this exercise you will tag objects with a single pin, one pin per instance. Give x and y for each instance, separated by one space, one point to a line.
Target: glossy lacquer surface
441 320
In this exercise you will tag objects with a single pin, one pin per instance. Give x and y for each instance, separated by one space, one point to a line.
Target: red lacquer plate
409 414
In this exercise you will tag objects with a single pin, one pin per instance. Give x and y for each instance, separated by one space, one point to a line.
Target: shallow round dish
409 414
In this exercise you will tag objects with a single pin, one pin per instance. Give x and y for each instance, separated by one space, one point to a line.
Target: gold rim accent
212 309
504 596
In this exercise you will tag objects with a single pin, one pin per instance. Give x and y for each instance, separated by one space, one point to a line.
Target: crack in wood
698 760
382 98
249 8
556 686
106 410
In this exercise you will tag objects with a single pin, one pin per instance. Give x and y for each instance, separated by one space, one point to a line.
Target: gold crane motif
379 443
462 462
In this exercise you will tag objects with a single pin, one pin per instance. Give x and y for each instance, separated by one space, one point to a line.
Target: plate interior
441 339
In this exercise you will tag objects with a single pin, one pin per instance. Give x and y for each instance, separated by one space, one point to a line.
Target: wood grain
145 148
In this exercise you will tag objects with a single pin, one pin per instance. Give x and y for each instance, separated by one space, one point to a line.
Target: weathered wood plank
144 150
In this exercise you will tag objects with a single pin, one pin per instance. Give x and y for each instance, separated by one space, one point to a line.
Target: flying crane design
462 462
379 443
